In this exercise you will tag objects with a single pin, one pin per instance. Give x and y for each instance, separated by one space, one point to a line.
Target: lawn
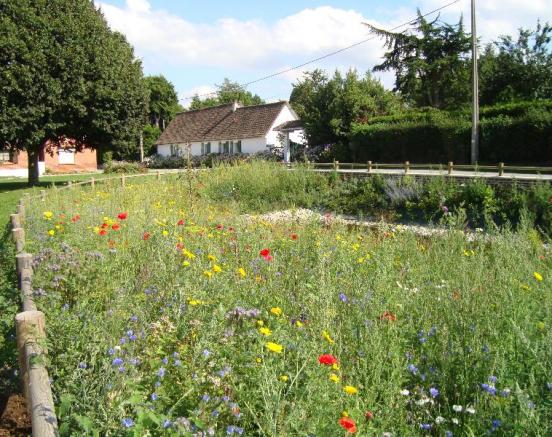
171 312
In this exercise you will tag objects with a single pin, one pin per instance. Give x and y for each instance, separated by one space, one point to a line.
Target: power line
320 58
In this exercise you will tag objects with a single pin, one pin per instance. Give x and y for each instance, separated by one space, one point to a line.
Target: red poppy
179 246
231 229
103 232
180 222
294 237
369 415
349 424
327 359
389 316
219 227
264 253
146 236
116 226
76 218
104 225
122 216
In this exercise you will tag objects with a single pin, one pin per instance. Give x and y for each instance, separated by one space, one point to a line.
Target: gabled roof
221 123
291 125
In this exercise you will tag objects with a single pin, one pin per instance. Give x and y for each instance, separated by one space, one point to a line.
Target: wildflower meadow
174 308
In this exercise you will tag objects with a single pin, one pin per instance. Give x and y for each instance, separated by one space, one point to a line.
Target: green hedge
516 134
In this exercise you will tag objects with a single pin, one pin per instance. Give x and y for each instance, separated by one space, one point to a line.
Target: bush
515 134
125 167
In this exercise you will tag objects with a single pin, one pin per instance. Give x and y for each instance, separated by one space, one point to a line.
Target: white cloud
202 90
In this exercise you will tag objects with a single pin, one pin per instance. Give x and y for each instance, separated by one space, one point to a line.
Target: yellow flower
96 230
207 273
48 215
335 366
185 263
355 246
537 276
212 257
284 378
350 390
188 254
334 377
241 272
51 232
525 287
360 260
217 268
276 311
298 323
265 331
260 323
258 360
58 227
541 326
344 414
165 233
274 347
194 302
327 337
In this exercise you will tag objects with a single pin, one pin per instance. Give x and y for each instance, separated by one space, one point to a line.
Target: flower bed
169 312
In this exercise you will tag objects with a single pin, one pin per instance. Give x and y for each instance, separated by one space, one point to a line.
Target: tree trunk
33 154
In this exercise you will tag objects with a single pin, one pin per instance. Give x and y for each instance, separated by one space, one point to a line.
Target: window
175 150
220 147
4 155
66 156
205 148
226 147
238 146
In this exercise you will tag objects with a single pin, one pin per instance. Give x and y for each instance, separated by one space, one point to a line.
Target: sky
196 44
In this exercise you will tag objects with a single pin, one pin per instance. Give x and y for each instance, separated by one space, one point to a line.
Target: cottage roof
291 125
224 122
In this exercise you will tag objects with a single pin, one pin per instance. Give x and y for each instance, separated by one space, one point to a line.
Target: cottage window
66 156
5 155
227 147
238 148
175 150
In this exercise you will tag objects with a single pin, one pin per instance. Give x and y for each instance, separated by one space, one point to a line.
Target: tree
65 74
163 101
227 92
430 62
518 70
328 107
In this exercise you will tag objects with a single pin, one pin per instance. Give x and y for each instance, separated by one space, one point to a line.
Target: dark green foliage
430 62
514 134
125 167
163 101
328 107
227 92
64 73
150 134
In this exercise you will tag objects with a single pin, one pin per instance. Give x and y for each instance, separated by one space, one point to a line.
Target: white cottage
230 129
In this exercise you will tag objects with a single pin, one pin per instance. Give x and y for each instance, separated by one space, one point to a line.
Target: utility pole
475 91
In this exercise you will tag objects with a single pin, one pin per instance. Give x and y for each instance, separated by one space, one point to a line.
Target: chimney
235 106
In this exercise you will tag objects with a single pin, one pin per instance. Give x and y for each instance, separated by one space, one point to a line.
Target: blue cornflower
134 361
130 332
425 426
154 397
161 372
448 434
175 355
496 424
111 351
226 398
215 413
433 392
121 369
343 297
82 365
432 331
134 318
505 393
206 398
230 430
413 369
238 430
117 361
531 405
165 361
166 423
177 363
422 340
122 340
492 379
127 423
157 383
206 353
489 389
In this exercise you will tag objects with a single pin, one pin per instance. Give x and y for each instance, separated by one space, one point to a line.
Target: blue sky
197 44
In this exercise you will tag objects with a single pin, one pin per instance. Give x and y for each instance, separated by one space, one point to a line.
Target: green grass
158 317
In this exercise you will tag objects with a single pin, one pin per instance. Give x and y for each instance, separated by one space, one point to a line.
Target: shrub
125 167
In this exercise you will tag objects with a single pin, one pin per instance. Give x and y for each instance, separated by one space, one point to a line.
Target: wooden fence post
92 183
501 169
24 278
15 221
43 195
336 165
123 182
30 333
18 235
369 166
450 167
21 212
406 167
70 184
158 175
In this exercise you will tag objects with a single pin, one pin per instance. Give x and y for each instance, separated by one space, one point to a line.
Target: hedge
515 133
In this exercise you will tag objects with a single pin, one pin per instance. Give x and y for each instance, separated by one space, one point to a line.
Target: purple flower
489 389
495 425
154 397
206 353
448 434
117 361
433 392
127 423
413 369
425 426
177 363
111 351
121 369
82 365
505 393
161 372
165 361
492 379
343 298
205 398
134 318
166 423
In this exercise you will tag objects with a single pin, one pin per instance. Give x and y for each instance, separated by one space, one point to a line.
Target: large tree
518 69
65 74
328 107
163 101
430 62
227 92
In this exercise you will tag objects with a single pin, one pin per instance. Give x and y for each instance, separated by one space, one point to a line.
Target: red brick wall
84 161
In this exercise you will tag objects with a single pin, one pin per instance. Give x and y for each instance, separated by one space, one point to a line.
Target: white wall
286 114
164 150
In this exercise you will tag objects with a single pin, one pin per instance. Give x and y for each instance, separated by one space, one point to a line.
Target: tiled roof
290 125
221 123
